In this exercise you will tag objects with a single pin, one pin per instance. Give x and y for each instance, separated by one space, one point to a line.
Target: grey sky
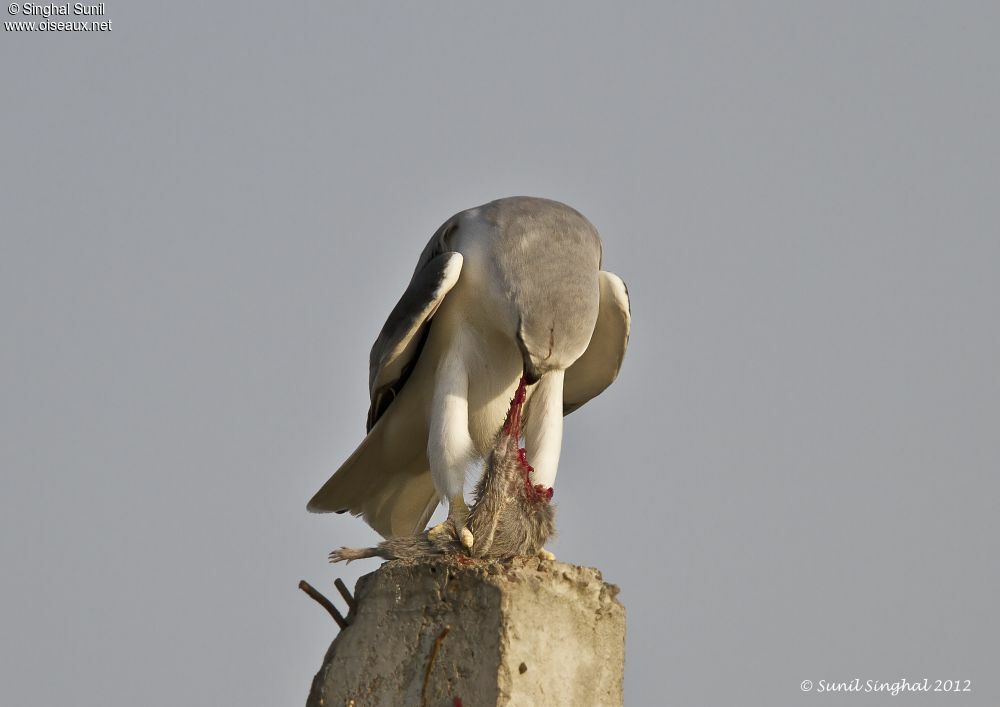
208 212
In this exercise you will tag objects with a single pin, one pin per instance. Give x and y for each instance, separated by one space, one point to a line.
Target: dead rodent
510 515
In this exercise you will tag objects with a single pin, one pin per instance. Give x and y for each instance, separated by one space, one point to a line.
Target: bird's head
553 341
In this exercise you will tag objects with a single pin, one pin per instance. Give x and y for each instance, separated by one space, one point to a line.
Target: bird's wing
387 479
402 337
598 367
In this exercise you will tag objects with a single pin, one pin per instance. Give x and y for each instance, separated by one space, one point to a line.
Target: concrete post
449 633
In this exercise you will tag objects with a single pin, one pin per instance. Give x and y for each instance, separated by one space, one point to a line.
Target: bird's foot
444 528
465 537
544 554
458 513
454 525
449 530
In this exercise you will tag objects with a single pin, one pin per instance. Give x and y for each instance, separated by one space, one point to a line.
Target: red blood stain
513 424
522 456
536 491
512 427
544 491
457 702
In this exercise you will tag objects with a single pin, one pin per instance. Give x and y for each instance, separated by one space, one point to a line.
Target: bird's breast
494 371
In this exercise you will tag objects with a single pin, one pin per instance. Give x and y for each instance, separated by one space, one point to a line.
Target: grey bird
510 289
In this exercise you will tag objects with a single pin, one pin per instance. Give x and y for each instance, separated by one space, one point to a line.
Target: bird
511 515
509 290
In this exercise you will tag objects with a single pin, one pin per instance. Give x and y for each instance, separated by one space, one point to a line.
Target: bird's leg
450 449
543 429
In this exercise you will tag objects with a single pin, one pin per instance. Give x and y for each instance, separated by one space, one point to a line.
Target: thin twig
430 664
324 602
344 592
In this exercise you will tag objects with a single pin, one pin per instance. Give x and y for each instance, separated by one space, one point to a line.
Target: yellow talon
438 530
465 536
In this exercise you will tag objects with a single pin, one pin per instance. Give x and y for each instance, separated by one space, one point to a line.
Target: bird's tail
394 494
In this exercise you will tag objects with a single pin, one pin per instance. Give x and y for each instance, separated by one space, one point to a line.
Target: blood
457 702
537 491
512 427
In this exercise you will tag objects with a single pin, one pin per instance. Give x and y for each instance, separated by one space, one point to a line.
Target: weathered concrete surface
519 632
